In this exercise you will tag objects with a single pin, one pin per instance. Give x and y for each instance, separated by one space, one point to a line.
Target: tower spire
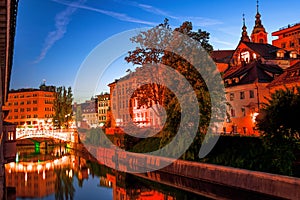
245 37
259 34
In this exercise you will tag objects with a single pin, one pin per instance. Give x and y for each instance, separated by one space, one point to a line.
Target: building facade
288 38
89 111
125 107
103 108
253 66
31 107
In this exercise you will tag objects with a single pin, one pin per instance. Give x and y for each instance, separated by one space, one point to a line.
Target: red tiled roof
290 75
266 51
253 72
222 56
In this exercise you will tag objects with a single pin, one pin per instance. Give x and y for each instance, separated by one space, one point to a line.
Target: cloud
119 16
217 40
62 20
197 21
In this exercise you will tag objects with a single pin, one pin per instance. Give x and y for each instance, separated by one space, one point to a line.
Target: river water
60 173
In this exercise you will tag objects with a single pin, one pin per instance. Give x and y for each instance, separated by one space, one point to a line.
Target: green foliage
146 145
161 37
62 107
280 128
78 116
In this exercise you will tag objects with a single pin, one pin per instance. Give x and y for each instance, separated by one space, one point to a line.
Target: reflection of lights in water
48 165
39 167
88 171
44 175
20 167
64 158
55 161
17 157
29 167
12 164
25 178
71 173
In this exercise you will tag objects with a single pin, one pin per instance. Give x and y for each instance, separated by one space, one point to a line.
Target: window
22 103
232 112
35 109
251 94
231 96
283 45
16 117
15 103
292 44
243 112
10 135
28 116
34 101
242 95
28 102
15 110
245 56
21 109
35 116
48 102
28 109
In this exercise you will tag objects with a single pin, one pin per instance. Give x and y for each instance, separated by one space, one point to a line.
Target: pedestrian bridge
61 134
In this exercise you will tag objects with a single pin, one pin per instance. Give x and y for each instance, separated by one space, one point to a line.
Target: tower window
261 40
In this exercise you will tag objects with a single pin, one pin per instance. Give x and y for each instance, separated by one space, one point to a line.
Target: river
60 173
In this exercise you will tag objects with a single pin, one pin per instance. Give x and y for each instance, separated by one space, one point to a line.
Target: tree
62 107
280 128
150 94
78 113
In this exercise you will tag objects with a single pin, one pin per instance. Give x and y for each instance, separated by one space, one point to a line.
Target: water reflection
62 173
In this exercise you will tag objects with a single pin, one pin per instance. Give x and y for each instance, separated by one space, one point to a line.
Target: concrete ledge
271 184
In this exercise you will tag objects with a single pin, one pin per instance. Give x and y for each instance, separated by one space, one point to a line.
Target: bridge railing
57 134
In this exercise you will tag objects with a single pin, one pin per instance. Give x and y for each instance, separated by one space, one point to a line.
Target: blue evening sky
54 37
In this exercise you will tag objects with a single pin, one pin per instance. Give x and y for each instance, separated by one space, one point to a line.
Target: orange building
288 38
32 107
103 107
290 78
254 64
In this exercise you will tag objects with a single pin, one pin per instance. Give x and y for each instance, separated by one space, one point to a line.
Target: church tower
245 37
259 34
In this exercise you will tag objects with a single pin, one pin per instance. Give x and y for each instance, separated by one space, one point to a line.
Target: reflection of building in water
105 182
124 191
37 179
31 184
